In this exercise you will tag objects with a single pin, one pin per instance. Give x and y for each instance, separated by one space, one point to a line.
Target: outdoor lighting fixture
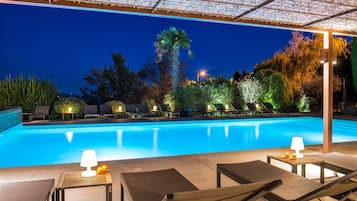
324 53
257 105
88 160
201 73
226 107
297 144
208 108
120 109
69 109
154 108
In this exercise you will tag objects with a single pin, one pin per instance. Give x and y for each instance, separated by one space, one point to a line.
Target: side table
295 162
75 180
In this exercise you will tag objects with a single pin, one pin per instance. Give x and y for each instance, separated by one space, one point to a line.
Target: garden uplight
154 108
69 109
120 109
226 107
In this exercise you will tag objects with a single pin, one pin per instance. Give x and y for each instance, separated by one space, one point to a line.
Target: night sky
62 45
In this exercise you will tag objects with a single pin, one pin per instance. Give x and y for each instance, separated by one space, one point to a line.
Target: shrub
69 105
26 92
276 88
115 104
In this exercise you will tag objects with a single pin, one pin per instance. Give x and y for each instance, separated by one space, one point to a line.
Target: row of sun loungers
135 110
257 179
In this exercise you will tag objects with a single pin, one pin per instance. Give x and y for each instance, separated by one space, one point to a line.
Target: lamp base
299 155
89 173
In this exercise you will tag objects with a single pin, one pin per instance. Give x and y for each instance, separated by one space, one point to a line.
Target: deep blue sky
62 45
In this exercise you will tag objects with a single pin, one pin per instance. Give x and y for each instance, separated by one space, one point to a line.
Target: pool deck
199 169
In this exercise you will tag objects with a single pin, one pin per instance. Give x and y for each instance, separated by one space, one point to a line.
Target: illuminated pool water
56 144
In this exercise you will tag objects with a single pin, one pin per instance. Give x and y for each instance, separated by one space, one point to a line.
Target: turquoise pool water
56 144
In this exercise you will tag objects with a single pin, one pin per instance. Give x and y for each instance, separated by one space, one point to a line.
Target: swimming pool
57 144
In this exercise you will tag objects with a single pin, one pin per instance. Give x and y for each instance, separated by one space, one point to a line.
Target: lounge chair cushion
344 162
256 171
38 190
154 185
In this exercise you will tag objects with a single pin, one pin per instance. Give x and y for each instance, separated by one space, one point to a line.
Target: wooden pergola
329 17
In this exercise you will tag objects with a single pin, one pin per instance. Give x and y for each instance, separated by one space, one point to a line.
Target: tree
157 77
116 82
168 43
300 61
250 89
26 92
276 88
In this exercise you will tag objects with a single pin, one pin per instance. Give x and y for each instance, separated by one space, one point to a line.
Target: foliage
276 88
304 103
157 78
184 97
26 92
250 89
115 104
116 82
216 90
168 43
299 63
69 105
150 103
354 63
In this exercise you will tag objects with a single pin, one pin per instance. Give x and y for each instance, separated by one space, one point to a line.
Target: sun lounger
91 111
268 108
294 187
237 108
165 109
220 108
338 162
38 190
170 185
41 112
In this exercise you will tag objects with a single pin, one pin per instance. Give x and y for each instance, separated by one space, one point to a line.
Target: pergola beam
253 9
330 17
156 5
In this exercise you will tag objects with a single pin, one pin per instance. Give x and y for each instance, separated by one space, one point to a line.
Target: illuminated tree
168 43
300 61
276 88
250 89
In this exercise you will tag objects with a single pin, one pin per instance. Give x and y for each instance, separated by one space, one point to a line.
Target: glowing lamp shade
88 160
297 144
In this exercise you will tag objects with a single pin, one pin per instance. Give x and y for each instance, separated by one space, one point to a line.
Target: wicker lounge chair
237 108
220 108
338 162
38 190
165 109
268 108
294 187
169 184
41 112
91 111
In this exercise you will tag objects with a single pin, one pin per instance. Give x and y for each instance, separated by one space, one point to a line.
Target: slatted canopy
338 16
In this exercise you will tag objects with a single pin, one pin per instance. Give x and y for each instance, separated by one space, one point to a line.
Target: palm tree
169 42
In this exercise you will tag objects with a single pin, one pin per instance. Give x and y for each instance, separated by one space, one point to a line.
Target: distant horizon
62 45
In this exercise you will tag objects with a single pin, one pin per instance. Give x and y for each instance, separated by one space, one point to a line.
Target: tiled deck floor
199 169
